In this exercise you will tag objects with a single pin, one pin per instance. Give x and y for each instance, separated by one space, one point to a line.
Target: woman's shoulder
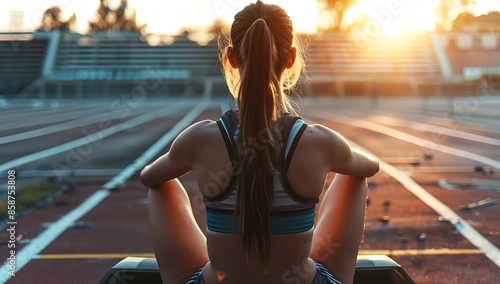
203 125
200 130
189 141
325 141
319 133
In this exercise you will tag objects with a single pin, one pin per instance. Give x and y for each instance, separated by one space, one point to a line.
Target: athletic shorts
323 276
197 277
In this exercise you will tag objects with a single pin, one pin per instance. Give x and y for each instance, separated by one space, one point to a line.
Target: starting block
369 269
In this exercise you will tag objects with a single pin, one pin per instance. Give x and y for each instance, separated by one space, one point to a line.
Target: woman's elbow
375 168
369 169
146 179
371 165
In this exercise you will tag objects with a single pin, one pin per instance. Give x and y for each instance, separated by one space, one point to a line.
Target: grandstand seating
129 57
104 64
347 61
21 60
124 60
340 56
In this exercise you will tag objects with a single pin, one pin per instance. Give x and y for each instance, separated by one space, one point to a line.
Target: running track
97 149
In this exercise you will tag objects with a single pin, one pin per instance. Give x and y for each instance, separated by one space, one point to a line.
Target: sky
168 17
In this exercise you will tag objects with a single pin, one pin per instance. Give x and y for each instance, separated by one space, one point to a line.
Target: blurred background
92 91
54 48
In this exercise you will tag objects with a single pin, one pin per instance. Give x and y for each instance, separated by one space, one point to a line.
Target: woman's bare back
290 260
340 214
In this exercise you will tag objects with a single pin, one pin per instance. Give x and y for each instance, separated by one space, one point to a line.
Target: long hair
261 37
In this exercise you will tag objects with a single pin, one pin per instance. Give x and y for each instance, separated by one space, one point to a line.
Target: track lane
31 250
87 139
432 128
104 243
23 118
477 239
405 137
89 119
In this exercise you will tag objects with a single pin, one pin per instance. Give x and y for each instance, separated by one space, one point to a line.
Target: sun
398 17
392 17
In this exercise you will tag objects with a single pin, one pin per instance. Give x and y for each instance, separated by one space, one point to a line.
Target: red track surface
119 223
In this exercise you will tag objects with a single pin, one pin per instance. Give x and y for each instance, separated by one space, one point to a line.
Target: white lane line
15 114
33 249
485 246
439 130
147 156
452 121
88 138
59 127
45 119
74 172
436 169
405 137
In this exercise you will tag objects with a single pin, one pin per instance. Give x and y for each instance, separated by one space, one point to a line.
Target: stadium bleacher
353 65
22 58
344 57
69 65
122 61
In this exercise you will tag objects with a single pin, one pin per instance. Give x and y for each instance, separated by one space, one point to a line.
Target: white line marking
438 130
88 138
46 119
59 127
485 246
465 121
75 172
33 249
436 169
405 137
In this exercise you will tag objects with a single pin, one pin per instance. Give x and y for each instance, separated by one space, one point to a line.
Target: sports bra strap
292 128
228 125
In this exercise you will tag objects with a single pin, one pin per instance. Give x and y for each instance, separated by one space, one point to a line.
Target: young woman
261 171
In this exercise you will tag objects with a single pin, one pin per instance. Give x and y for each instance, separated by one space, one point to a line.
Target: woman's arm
343 158
363 164
178 161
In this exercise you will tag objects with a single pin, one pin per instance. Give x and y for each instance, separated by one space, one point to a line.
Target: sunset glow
169 17
396 17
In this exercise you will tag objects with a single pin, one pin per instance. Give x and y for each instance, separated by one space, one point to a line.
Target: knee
154 198
151 194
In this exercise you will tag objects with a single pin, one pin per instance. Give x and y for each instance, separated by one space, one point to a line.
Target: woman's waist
285 248
289 259
281 222
302 273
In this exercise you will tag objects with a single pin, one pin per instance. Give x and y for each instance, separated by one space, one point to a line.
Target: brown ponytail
257 106
261 37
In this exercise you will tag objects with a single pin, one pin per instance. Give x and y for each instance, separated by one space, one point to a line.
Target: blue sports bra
290 213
